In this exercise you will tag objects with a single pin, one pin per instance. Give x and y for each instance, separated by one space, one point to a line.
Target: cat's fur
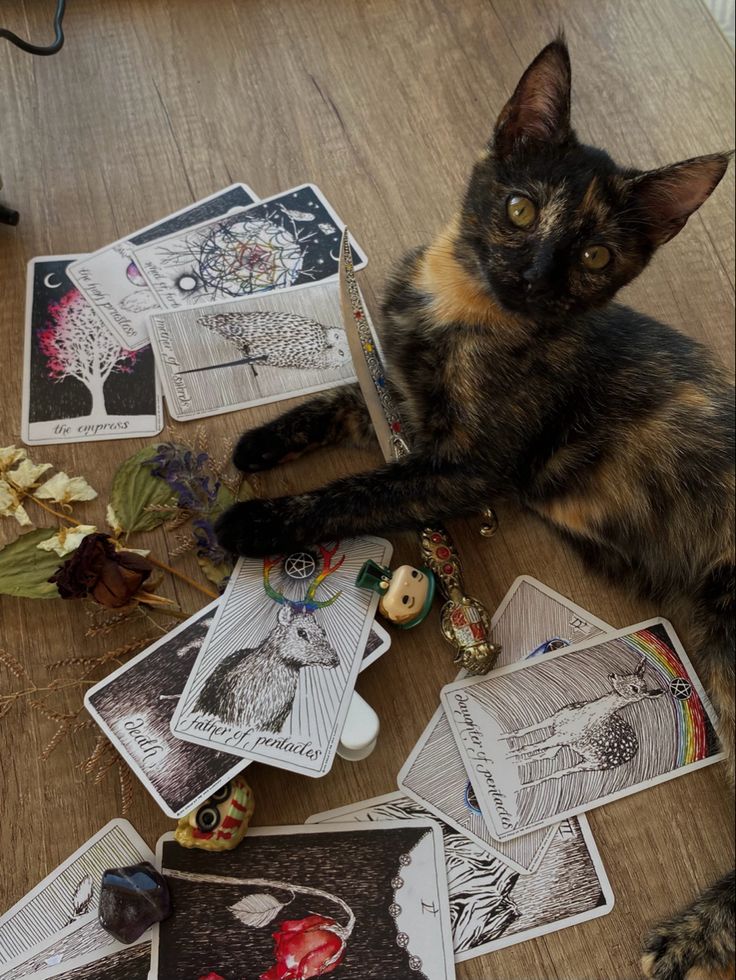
518 378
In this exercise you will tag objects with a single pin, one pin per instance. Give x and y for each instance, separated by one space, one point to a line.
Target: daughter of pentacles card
274 677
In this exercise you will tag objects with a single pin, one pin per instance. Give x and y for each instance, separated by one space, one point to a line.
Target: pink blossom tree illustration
77 344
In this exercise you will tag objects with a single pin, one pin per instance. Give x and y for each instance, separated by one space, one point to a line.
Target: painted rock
131 900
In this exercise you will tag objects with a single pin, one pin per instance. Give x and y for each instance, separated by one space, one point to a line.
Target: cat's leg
408 493
699 943
339 415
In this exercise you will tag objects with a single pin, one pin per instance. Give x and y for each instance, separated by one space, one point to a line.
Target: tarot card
111 281
579 727
365 902
117 963
274 677
37 929
378 643
256 350
491 905
292 239
134 706
79 384
531 618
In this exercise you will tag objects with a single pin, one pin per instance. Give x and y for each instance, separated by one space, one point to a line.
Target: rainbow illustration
694 729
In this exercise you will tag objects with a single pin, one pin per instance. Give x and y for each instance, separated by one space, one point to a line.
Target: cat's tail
701 938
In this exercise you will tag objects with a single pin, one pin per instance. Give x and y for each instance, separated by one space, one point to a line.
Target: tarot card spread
274 678
111 281
580 727
134 707
530 619
56 922
360 902
261 349
491 905
79 384
289 240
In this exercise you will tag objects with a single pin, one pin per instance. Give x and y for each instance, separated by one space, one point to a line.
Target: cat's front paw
255 528
698 944
260 449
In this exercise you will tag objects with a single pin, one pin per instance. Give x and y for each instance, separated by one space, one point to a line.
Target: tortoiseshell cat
517 377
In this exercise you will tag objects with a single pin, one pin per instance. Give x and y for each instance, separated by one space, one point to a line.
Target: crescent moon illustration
335 258
49 284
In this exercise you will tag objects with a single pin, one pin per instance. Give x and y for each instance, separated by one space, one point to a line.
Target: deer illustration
594 730
255 688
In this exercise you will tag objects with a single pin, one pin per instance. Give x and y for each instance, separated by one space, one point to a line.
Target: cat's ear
539 109
666 198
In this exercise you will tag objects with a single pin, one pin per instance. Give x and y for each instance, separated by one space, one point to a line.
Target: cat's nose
534 284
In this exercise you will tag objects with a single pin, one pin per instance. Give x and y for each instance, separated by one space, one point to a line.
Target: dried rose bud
112 578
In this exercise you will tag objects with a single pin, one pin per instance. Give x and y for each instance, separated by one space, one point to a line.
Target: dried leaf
25 571
135 489
257 910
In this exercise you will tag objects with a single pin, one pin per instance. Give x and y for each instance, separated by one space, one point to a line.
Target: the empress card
79 383
355 901
579 727
274 677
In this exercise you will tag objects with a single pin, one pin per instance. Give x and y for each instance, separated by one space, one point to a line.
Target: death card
260 349
289 240
580 727
491 905
134 707
360 902
274 678
531 618
79 383
111 281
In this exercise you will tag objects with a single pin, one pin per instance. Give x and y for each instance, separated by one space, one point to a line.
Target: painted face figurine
406 593
220 823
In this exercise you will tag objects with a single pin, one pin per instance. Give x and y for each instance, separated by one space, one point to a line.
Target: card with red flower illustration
355 901
275 674
79 383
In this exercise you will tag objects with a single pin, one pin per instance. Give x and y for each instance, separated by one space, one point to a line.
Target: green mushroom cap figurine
406 593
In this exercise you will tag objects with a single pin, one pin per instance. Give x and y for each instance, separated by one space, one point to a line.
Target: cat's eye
596 257
521 211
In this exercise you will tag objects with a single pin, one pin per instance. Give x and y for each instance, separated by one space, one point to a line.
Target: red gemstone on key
436 537
443 552
448 569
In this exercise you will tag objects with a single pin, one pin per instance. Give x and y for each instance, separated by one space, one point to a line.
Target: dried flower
63 489
9 456
112 578
67 540
186 474
113 520
10 505
26 474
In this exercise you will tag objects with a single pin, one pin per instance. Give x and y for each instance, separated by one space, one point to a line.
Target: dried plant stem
154 561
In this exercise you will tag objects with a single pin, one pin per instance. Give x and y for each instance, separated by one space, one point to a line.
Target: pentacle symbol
394 910
300 565
681 688
471 800
415 963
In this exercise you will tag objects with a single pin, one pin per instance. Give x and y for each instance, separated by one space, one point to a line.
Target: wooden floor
384 105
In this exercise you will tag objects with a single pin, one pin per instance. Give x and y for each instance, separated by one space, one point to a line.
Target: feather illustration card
491 905
579 727
360 902
79 383
290 240
260 349
57 920
111 281
530 620
274 677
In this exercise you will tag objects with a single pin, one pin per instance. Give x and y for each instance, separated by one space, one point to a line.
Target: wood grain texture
384 105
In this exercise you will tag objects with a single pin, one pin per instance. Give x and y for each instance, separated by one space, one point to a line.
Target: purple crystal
131 900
